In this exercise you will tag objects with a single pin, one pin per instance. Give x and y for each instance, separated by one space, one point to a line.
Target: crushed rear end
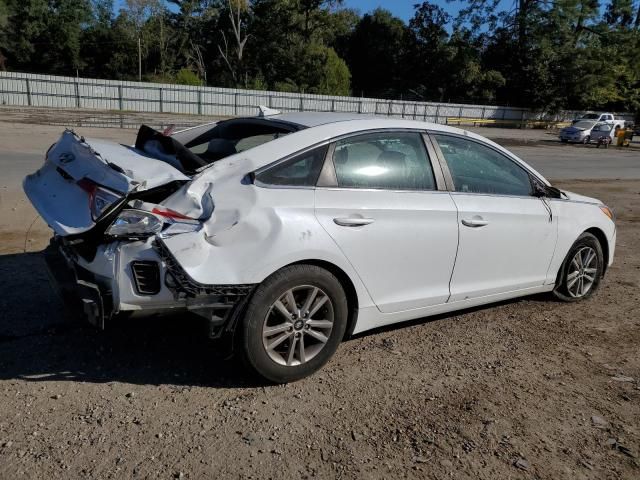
111 207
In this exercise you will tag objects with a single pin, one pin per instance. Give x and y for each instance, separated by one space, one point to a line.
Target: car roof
313 119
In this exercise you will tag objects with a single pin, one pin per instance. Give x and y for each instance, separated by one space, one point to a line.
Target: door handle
353 221
475 221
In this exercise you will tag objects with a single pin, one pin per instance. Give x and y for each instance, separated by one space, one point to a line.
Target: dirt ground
529 389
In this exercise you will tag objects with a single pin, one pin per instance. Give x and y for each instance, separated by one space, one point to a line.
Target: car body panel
491 258
406 252
255 234
64 205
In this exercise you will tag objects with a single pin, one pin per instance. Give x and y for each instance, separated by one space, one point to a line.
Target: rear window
301 170
233 136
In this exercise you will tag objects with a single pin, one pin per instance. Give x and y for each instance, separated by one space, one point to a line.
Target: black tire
562 140
251 347
562 290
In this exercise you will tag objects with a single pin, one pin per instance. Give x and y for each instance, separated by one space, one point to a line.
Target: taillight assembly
100 199
138 223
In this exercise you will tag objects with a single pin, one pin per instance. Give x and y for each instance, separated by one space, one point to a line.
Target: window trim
329 179
449 177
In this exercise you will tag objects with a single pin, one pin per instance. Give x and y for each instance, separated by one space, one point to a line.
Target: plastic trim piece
183 286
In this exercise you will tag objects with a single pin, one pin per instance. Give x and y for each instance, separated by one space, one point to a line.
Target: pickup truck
608 118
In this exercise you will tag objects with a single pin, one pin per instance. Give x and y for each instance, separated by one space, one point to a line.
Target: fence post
522 119
333 105
200 101
460 112
360 106
437 114
389 111
415 110
77 94
403 107
161 109
120 101
29 102
270 101
301 104
235 104
483 110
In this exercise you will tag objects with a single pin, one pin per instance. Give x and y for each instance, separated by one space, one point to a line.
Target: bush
187 77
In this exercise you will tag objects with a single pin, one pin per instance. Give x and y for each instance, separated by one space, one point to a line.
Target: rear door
507 236
379 200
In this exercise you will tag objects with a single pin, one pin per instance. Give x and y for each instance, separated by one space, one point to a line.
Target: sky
400 8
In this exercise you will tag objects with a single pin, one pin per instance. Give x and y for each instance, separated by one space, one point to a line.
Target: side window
477 168
300 171
392 161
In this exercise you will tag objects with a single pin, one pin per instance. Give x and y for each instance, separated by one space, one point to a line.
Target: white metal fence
24 89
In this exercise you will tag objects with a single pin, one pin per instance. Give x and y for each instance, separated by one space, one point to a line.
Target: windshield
590 116
584 125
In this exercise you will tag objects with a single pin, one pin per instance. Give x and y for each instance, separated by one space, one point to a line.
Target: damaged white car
288 232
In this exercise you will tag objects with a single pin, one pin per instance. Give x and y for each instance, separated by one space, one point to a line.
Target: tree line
546 54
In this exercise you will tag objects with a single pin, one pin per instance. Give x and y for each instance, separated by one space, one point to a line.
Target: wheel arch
604 243
347 285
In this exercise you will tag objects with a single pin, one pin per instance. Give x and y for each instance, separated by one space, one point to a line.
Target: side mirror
539 190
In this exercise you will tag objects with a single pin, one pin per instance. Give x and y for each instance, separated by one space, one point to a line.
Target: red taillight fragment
87 185
168 213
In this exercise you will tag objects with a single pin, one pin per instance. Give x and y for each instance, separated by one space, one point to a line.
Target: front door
507 236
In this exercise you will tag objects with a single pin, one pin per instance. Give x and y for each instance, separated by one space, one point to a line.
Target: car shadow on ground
41 340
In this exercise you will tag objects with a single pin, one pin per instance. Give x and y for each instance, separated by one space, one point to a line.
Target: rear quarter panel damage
254 232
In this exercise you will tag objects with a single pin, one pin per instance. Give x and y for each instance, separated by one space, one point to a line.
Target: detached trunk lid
77 169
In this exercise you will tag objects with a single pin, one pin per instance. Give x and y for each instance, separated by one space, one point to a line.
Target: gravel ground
524 389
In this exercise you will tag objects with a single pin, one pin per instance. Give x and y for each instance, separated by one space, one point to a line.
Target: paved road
561 162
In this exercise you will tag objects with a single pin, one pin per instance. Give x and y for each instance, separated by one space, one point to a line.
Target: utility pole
139 61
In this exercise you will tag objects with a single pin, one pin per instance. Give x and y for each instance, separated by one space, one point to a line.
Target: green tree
375 54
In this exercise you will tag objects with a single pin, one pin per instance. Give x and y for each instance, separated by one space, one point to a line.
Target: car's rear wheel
294 323
581 271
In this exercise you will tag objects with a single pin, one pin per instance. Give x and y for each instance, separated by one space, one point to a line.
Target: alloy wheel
582 272
298 325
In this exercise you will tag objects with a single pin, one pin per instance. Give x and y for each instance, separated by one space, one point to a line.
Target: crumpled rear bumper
111 284
78 286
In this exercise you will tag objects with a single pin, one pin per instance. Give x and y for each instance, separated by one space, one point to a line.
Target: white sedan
288 232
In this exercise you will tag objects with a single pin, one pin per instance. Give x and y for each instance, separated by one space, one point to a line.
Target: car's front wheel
294 323
581 271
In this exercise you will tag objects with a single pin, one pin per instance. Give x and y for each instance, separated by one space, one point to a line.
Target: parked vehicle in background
601 132
608 118
579 132
288 232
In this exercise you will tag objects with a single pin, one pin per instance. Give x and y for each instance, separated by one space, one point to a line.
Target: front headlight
135 222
